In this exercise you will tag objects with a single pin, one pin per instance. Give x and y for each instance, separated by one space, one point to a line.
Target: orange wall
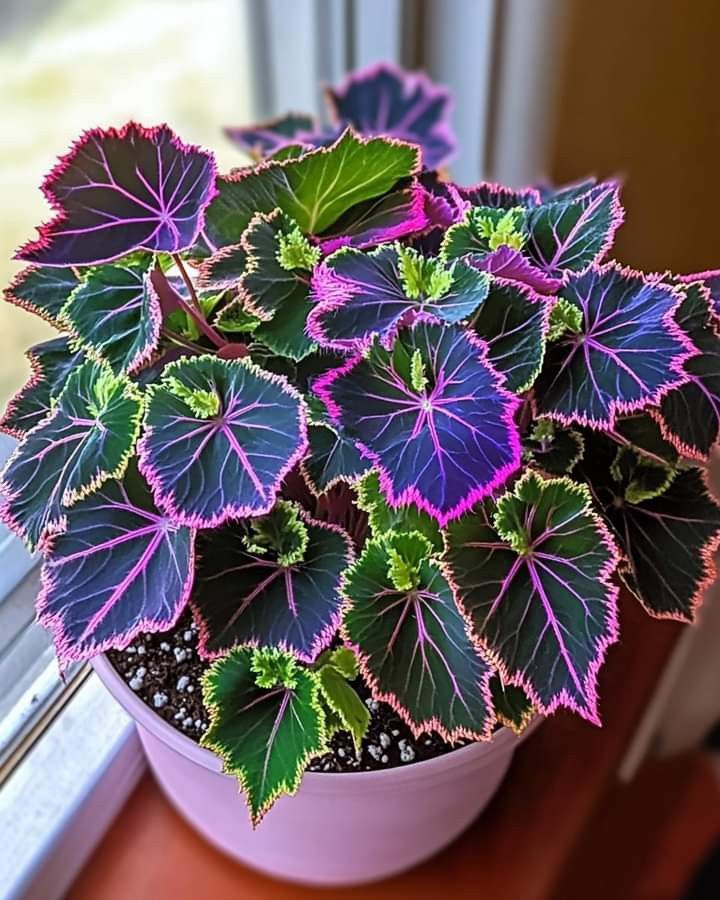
640 96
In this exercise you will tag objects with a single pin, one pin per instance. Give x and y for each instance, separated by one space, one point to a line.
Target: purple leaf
570 235
119 190
535 580
690 414
510 264
431 413
267 137
628 353
119 569
412 641
397 214
385 100
220 437
360 295
256 588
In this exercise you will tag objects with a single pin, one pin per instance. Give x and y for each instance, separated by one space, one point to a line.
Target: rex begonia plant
366 423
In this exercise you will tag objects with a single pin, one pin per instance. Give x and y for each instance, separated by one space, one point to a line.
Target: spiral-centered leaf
536 584
442 446
51 363
220 437
413 644
690 414
115 314
86 440
360 295
315 190
264 735
385 100
628 353
118 570
116 191
246 597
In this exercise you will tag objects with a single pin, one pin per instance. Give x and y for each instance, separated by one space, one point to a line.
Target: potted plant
336 466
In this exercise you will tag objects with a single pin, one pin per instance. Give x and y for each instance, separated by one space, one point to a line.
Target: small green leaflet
335 668
266 722
384 518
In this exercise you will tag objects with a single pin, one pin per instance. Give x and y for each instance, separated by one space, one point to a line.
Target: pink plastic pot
339 829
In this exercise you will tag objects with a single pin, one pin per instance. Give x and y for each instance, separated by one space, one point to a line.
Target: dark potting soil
165 671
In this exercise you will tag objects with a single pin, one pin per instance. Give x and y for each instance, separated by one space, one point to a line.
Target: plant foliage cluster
367 423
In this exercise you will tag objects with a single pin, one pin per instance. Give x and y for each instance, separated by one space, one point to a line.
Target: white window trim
61 799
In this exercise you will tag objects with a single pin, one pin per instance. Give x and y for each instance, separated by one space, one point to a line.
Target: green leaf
86 440
512 705
281 532
42 290
277 295
384 518
343 700
564 317
483 230
414 648
266 722
315 189
332 457
115 315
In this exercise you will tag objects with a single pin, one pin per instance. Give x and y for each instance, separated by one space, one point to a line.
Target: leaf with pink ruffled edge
510 264
267 137
271 581
385 100
711 280
359 295
42 290
397 214
668 538
86 440
118 570
570 235
315 190
534 576
690 414
51 364
514 321
119 190
498 196
431 413
412 641
627 354
220 437
115 314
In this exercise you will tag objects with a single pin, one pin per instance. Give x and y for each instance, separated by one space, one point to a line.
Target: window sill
65 793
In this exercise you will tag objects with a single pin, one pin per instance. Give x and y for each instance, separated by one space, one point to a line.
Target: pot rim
148 718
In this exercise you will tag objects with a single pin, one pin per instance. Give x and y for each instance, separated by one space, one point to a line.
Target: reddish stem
186 278
170 297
